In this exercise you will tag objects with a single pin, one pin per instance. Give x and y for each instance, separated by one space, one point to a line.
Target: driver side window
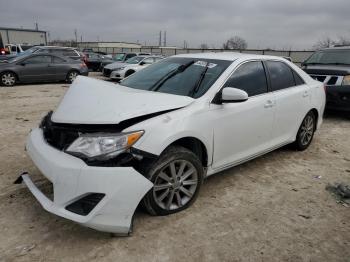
249 77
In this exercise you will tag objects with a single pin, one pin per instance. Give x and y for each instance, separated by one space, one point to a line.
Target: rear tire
8 79
306 132
71 76
177 176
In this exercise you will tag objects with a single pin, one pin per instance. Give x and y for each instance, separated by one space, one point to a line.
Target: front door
243 130
36 68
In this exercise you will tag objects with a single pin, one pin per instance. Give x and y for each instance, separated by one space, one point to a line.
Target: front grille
318 78
327 79
333 80
107 72
59 137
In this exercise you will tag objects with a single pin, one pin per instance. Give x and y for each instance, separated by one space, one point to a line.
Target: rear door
36 68
60 68
292 100
243 130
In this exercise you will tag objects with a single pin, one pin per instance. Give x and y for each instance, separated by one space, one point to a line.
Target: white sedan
157 135
133 65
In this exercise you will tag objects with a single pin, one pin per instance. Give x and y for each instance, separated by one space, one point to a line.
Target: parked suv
161 131
331 66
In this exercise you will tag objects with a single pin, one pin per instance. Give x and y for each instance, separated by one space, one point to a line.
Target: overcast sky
295 24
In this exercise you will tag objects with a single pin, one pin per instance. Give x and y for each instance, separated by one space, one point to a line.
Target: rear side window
281 75
249 77
42 59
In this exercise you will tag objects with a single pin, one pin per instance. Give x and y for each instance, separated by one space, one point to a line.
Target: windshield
119 57
179 76
135 60
335 56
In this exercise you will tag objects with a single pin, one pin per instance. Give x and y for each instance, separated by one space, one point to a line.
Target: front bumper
72 179
338 98
117 75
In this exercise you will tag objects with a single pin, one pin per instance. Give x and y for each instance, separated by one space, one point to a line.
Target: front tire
306 132
177 176
8 79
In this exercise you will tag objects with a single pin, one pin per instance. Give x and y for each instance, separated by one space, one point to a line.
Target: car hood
340 70
92 101
116 65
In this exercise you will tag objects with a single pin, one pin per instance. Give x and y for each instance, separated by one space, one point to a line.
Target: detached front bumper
122 187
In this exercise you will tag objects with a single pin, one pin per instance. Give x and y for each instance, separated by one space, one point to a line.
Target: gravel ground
274 208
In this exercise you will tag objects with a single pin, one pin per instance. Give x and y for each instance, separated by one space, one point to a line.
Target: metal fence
297 56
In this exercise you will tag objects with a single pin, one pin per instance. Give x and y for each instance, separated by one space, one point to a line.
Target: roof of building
21 29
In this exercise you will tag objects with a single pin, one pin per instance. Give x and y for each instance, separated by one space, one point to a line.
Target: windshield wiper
179 69
199 81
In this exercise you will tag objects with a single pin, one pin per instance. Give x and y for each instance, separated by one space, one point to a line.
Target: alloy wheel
175 185
307 130
72 76
8 79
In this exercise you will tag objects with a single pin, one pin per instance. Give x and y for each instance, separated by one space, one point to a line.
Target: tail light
83 64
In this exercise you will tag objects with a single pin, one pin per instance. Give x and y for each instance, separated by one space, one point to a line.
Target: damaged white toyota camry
154 137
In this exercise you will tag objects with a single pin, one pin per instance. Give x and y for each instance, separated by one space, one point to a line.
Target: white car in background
133 65
154 137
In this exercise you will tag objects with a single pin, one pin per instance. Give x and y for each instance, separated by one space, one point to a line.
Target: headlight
103 146
118 69
346 81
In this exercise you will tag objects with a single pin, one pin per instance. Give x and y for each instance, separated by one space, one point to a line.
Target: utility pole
76 35
160 38
36 26
164 35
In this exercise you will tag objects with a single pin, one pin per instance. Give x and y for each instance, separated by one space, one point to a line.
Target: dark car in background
40 67
331 66
94 61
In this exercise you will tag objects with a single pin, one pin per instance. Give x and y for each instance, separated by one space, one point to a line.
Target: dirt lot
274 208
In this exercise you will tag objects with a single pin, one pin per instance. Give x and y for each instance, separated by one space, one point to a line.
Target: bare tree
324 43
329 42
235 42
204 46
343 40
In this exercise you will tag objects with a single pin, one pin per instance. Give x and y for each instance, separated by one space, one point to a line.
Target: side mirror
142 63
231 95
22 63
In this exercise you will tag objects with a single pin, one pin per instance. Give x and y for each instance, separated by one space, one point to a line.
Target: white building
22 36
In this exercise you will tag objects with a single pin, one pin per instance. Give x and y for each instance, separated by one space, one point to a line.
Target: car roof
230 56
56 47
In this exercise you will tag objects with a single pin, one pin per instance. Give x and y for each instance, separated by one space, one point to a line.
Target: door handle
269 104
306 94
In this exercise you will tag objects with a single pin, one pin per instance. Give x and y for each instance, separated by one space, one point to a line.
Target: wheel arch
195 145
315 111
129 72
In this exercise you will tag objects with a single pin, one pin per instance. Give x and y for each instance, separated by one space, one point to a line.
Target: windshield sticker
204 64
